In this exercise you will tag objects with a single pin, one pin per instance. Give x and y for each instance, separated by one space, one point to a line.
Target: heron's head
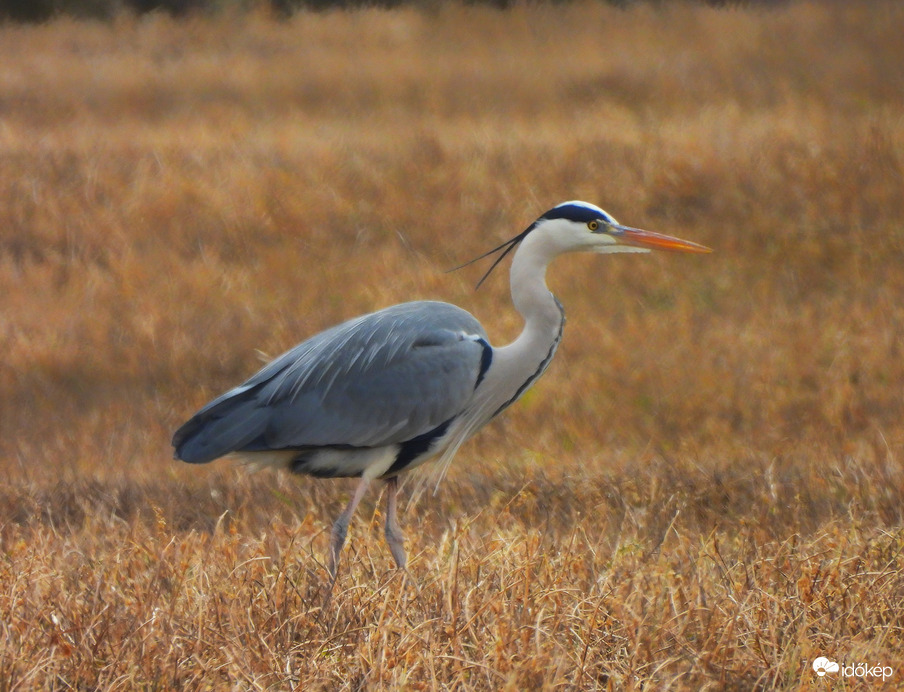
583 227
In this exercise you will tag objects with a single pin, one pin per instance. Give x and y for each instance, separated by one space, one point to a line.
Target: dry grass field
706 491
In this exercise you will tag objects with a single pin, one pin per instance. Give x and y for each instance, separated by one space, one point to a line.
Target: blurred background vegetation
705 491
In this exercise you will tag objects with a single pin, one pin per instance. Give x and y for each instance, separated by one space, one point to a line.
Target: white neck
516 366
524 359
532 299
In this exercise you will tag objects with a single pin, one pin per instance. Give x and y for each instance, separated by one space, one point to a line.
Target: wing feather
380 379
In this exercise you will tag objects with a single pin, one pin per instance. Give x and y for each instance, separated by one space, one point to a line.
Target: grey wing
381 379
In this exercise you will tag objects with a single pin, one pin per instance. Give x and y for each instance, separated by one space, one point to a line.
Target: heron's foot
337 540
340 528
396 541
394 536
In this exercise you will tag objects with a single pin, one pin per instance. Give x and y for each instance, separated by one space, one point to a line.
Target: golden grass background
704 492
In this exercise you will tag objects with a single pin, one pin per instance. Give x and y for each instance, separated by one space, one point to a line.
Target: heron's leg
340 527
393 533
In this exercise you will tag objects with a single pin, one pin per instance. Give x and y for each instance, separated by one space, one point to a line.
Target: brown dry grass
705 491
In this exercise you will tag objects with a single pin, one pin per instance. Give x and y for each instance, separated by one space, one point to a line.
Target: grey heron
383 393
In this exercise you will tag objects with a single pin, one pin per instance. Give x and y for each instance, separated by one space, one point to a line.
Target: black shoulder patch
486 359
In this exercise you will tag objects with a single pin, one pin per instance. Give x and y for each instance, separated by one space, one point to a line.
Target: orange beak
654 241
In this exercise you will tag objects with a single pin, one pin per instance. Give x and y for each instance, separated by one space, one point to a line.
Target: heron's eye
593 225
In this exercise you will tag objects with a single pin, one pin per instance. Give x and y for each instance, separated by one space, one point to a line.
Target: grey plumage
382 379
383 393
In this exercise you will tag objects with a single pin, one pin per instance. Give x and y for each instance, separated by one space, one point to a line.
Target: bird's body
383 393
371 396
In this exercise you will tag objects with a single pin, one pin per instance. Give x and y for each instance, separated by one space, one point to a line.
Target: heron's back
381 379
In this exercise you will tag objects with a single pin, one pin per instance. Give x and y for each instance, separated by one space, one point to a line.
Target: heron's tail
213 432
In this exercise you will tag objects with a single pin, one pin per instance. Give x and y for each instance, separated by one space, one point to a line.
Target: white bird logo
822 665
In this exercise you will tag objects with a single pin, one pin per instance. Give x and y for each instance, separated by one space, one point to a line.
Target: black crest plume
506 248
